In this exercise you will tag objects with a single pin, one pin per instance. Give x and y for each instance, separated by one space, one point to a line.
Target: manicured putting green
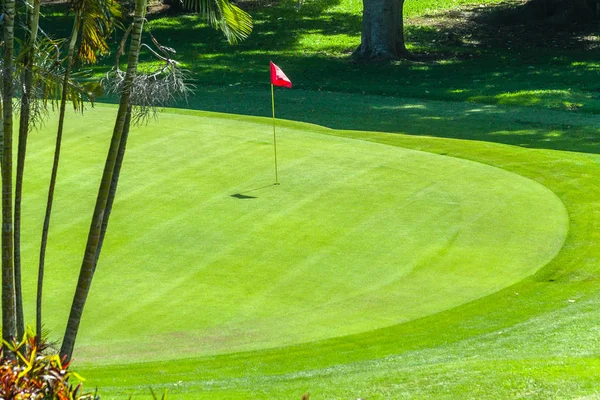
205 255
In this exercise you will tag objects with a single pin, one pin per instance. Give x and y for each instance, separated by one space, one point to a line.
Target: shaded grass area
313 46
559 79
520 126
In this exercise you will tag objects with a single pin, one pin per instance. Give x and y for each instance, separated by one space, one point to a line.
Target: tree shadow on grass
242 196
235 79
520 126
276 29
510 25
459 72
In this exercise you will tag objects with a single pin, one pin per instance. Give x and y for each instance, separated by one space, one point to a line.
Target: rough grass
463 55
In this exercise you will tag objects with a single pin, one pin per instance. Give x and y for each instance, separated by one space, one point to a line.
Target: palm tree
8 291
33 17
236 24
40 83
114 183
87 268
94 18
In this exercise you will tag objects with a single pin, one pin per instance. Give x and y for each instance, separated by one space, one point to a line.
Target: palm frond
44 58
49 80
235 23
99 18
151 90
48 76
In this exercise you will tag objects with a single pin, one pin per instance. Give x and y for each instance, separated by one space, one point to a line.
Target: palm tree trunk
88 264
8 291
114 183
26 99
49 202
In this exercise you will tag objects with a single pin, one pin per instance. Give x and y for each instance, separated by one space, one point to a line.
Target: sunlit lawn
467 269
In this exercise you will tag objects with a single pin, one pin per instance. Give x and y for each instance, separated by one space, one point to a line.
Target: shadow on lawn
521 126
235 79
276 29
242 196
555 78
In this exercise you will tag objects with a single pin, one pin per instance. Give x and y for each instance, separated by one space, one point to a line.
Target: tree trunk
382 35
114 184
8 291
49 202
88 264
26 99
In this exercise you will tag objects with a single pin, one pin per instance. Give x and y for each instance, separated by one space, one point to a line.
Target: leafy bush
30 369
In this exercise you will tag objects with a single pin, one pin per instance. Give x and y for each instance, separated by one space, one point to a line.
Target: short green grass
504 340
529 117
354 239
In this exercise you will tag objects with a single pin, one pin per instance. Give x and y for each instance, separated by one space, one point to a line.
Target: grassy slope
516 125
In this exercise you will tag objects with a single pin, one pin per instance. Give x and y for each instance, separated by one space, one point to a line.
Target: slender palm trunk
114 183
26 99
91 254
49 202
8 291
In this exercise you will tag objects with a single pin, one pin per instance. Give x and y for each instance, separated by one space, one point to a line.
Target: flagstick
274 137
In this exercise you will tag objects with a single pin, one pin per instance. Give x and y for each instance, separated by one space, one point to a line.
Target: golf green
205 255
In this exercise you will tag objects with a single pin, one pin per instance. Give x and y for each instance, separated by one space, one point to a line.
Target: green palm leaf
98 18
235 23
48 80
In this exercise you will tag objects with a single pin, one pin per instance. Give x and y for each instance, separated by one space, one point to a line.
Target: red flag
278 78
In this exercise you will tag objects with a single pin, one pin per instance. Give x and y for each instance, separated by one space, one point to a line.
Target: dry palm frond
48 76
155 89
47 82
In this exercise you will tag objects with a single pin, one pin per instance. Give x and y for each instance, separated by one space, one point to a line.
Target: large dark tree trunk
382 30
